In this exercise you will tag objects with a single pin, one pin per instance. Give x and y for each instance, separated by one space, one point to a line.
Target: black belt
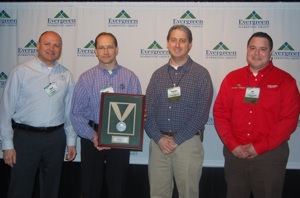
171 134
93 125
36 129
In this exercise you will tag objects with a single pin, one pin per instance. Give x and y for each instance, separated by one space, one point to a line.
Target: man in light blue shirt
34 123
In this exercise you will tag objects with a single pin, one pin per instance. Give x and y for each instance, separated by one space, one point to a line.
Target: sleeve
222 115
7 108
70 133
287 120
151 127
200 114
80 108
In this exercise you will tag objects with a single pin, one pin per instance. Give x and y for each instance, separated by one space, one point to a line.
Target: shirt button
170 107
250 111
249 123
248 134
169 119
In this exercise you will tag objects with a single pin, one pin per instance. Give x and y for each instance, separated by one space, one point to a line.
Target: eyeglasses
109 48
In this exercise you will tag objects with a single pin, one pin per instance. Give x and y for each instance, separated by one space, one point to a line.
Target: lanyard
174 84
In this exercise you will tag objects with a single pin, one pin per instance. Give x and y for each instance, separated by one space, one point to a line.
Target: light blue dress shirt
26 101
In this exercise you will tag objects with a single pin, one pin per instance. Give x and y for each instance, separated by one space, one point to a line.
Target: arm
222 115
285 123
151 127
80 109
70 133
7 107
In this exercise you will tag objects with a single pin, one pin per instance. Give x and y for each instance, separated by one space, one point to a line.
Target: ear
190 46
117 50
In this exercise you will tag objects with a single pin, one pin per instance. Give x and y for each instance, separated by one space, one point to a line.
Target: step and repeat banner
220 32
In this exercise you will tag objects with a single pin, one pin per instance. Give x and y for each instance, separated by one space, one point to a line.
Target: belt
171 134
37 129
94 125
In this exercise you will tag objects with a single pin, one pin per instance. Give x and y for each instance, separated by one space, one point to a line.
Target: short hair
262 35
48 32
183 28
107 34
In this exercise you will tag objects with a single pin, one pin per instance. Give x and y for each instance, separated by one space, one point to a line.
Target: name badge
51 89
107 90
252 95
174 94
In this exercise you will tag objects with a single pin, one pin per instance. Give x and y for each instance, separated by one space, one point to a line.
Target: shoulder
161 70
280 73
90 72
126 71
22 67
238 72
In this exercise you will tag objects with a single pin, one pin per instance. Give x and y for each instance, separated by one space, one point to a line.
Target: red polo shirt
265 124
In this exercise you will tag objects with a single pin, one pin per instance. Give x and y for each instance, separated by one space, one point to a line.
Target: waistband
36 129
94 125
171 134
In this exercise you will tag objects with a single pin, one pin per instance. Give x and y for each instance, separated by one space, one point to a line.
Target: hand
167 145
71 153
240 152
250 150
10 157
95 140
145 115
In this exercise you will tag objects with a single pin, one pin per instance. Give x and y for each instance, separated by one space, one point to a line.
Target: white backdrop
220 32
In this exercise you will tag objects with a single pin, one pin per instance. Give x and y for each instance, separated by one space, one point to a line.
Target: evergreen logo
253 15
221 46
61 19
189 20
154 51
3 78
286 51
154 45
286 46
123 14
188 15
220 51
61 15
6 20
30 49
210 121
122 19
31 44
253 20
87 50
3 14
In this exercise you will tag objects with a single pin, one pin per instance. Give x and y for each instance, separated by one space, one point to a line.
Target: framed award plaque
121 123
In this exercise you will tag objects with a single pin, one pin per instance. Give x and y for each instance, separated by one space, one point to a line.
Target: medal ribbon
118 113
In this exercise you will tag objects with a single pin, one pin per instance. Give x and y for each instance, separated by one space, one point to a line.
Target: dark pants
263 175
37 152
116 162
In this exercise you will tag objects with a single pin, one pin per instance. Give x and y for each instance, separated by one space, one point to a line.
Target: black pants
263 175
116 162
37 152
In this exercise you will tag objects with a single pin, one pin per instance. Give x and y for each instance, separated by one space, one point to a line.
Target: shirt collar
264 70
184 67
118 67
43 64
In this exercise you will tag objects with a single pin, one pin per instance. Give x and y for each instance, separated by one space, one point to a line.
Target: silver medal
121 126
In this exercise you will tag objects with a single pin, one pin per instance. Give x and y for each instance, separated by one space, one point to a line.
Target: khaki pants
184 165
